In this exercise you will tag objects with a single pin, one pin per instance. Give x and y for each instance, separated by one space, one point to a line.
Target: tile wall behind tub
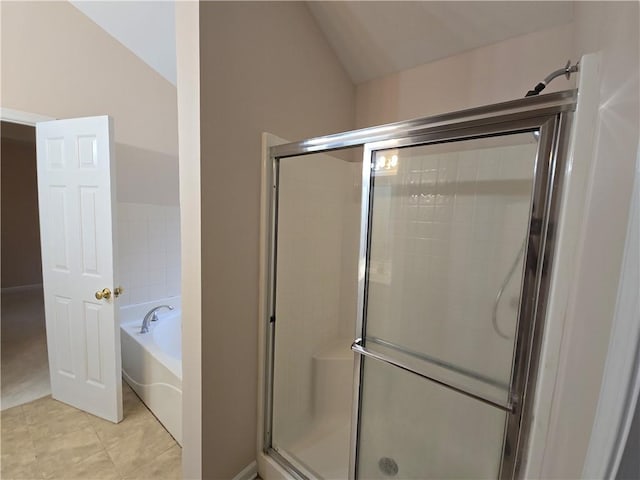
148 252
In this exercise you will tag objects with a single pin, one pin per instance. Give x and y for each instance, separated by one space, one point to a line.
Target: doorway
25 367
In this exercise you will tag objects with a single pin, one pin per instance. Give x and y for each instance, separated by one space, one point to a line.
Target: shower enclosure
408 278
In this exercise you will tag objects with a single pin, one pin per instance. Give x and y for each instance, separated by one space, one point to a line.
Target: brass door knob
118 291
104 293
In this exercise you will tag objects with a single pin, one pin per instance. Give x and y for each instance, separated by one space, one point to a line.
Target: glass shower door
447 233
316 265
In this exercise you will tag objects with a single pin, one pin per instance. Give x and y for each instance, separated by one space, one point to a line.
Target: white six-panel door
76 192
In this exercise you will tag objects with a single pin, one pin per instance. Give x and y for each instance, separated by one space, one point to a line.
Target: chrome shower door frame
550 115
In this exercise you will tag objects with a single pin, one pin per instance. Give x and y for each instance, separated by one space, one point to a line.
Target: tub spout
152 316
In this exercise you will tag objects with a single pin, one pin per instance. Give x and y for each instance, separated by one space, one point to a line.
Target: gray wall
20 242
265 66
630 464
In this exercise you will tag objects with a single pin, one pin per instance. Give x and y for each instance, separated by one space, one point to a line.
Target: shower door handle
357 347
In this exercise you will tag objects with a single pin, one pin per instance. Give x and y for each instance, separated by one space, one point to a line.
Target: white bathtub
152 362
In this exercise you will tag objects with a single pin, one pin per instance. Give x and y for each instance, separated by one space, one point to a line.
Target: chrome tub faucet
152 316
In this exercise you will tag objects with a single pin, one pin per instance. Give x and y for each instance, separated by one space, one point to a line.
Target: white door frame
188 97
22 118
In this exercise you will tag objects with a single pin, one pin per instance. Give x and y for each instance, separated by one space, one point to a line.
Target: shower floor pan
323 449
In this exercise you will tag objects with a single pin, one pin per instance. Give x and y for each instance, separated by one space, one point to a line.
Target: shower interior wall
318 234
458 220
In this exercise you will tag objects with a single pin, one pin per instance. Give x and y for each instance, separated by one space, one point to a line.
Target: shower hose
566 71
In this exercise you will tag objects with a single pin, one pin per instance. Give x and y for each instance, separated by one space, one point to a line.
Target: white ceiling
147 28
371 39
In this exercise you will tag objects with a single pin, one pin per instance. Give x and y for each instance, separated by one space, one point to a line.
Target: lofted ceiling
371 38
147 28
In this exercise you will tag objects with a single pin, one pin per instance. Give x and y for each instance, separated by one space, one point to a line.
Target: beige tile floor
46 439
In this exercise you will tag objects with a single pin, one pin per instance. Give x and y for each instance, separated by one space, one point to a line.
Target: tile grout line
89 426
150 462
123 475
104 447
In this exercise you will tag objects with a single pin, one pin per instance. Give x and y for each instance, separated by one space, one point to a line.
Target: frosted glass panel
415 429
448 224
316 296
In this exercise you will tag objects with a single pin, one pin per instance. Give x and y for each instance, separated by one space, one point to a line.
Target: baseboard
21 288
250 472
